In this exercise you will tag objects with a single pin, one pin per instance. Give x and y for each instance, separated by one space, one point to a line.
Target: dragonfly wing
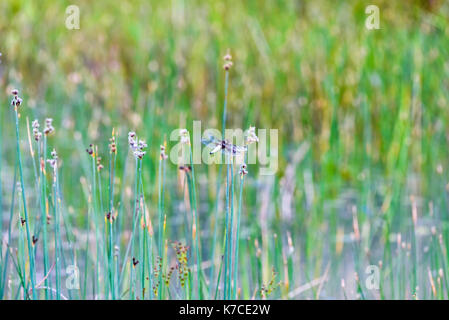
217 148
209 140
241 149
234 150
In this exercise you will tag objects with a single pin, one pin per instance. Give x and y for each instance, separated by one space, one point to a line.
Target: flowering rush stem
110 214
161 216
56 213
226 255
237 238
135 221
16 102
196 230
137 147
227 66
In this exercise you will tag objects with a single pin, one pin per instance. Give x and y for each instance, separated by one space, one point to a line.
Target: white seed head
185 137
136 146
251 136
48 126
243 170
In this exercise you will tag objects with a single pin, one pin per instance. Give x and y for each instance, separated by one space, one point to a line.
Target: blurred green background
370 104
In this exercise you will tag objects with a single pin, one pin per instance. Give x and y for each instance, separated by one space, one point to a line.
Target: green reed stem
27 222
145 246
217 189
21 250
237 239
56 213
43 203
226 258
197 232
96 223
112 161
86 255
231 232
160 221
135 221
11 215
161 205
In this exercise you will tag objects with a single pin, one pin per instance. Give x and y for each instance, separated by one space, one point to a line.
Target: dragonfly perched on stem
224 146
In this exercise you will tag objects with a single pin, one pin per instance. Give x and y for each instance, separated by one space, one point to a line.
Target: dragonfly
224 146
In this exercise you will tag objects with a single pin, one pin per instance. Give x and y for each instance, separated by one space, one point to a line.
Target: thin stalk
150 264
226 235
196 232
103 244
135 220
231 231
217 189
112 160
160 209
21 251
221 267
43 211
86 257
11 215
161 221
57 234
144 245
45 230
97 235
27 222
237 239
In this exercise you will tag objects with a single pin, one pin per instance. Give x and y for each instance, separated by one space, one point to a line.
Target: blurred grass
372 105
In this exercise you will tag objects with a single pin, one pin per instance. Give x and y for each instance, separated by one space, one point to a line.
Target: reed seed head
185 137
164 156
227 66
112 145
54 160
99 165
16 100
186 169
90 150
251 136
36 133
243 172
48 126
136 146
228 61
